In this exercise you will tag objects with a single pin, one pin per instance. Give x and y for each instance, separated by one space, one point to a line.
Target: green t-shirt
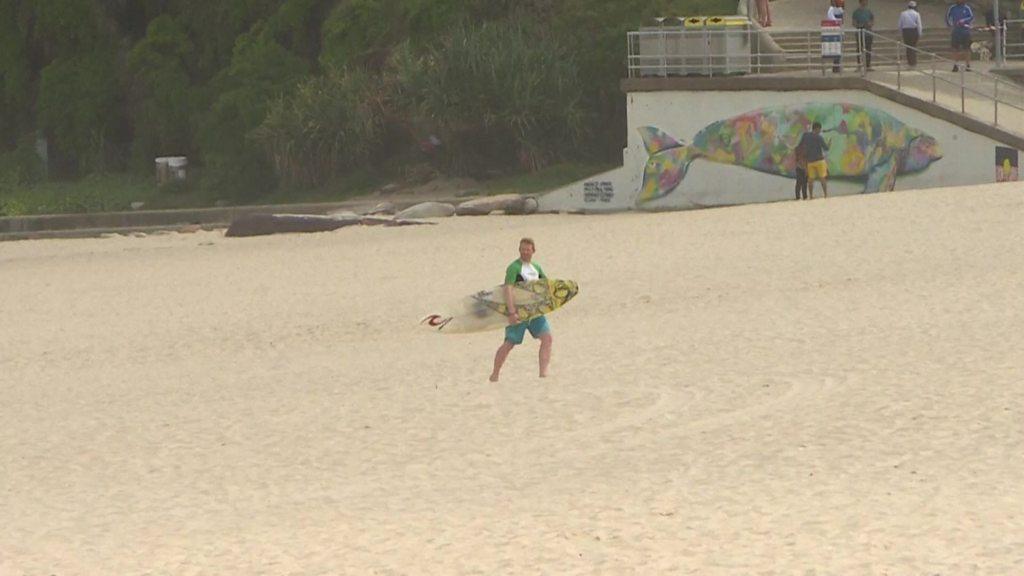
514 272
862 18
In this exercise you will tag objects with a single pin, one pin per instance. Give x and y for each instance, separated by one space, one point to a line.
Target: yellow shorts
817 170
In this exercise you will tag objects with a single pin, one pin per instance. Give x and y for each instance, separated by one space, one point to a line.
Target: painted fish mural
865 144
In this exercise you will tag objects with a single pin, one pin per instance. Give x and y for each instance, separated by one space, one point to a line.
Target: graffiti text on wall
596 191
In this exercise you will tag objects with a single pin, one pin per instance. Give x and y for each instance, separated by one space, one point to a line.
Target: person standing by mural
864 20
817 168
960 17
800 157
911 28
524 269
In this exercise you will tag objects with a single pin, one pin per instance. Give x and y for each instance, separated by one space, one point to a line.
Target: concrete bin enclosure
170 168
740 157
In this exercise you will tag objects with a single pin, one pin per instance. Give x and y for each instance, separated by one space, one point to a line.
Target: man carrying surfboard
523 270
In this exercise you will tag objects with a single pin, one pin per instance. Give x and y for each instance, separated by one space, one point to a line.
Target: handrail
1004 92
717 52
1013 50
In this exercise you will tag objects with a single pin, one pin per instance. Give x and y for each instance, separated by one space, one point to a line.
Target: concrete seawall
96 224
708 142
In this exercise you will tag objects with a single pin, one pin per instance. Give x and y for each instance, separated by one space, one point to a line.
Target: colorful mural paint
865 144
1006 164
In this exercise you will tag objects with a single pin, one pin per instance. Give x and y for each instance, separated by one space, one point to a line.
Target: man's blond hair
528 241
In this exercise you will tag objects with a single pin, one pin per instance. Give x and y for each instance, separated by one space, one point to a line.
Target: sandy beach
813 388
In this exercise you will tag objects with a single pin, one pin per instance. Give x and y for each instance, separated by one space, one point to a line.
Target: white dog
982 50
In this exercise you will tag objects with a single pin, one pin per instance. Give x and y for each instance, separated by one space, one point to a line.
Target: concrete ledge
95 224
1012 73
774 83
794 83
98 232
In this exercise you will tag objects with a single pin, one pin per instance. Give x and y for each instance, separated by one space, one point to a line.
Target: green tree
215 27
261 70
330 125
79 96
296 25
160 94
15 74
499 95
78 105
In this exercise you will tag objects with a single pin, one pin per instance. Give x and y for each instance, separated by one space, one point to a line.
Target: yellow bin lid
736 20
694 22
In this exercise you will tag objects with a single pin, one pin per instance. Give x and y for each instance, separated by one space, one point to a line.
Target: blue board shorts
961 39
538 327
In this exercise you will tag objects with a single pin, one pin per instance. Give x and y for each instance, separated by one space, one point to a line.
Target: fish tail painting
865 144
666 167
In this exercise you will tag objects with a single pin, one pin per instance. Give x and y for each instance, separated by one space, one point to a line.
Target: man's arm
511 275
510 305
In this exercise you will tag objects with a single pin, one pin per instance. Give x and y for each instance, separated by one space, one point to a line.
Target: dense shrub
329 125
498 96
261 70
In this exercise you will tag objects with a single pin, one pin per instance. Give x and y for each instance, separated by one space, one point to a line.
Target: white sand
827 387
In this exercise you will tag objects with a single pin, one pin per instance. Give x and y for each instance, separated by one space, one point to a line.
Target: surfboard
486 310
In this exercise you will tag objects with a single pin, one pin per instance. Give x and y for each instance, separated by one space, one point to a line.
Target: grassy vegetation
544 179
117 192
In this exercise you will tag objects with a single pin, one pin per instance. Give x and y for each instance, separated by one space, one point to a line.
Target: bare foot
494 378
543 374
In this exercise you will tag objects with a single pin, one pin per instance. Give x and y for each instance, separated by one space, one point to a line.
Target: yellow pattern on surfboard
487 310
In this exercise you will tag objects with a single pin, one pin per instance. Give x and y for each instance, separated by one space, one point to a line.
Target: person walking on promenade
911 28
864 20
764 13
960 17
835 14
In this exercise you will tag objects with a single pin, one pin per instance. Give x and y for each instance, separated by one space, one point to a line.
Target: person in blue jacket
960 17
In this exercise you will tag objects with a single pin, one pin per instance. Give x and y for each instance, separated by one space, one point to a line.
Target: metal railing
931 71
704 52
663 52
1013 39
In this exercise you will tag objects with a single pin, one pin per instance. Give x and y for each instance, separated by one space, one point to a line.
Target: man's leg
810 189
824 187
868 43
499 358
545 353
860 45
